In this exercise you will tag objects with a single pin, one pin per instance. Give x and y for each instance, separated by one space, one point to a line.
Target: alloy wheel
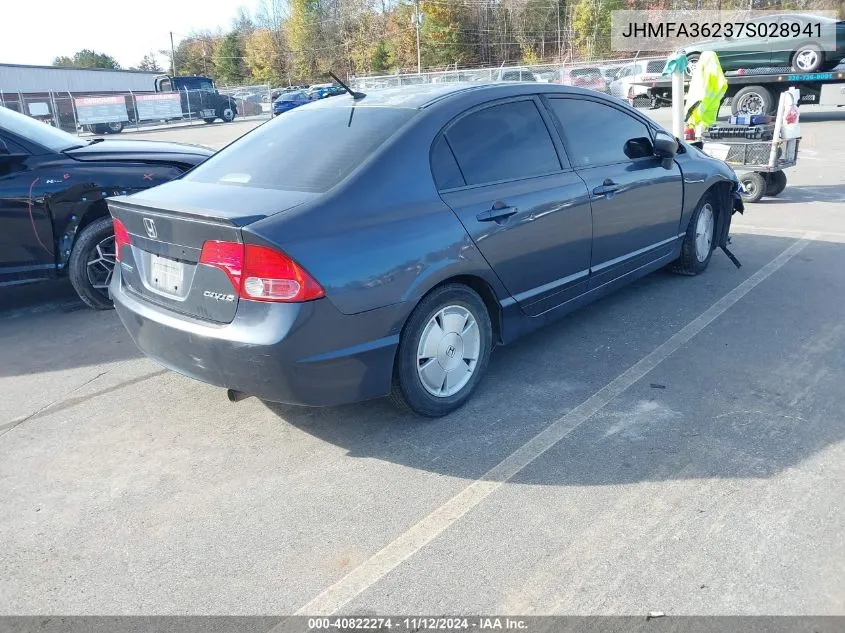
100 265
807 59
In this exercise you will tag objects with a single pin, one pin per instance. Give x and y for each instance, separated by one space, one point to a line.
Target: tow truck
757 91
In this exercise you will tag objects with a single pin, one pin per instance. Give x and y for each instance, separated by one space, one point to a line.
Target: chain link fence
110 113
547 72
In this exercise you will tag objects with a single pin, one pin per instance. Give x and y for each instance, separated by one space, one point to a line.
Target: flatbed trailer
757 91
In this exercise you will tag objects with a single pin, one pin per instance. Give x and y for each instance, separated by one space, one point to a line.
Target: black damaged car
53 185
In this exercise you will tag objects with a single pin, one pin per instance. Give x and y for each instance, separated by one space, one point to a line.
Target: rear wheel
808 59
227 113
443 352
754 185
697 248
92 262
775 183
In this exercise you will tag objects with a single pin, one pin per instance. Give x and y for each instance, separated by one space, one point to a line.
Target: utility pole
417 22
172 55
559 53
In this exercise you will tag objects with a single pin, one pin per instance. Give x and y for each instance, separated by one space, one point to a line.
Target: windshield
36 131
304 149
292 96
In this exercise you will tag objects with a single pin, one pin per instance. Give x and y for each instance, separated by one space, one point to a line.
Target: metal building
17 78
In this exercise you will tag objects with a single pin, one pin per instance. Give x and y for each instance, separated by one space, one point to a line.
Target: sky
37 31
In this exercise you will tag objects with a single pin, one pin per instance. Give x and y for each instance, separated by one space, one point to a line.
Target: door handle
498 213
608 186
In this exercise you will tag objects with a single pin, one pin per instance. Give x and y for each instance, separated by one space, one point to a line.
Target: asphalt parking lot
675 447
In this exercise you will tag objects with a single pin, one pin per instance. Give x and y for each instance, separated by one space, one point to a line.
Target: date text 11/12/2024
417 623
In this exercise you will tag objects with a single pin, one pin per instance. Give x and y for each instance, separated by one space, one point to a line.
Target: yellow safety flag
707 86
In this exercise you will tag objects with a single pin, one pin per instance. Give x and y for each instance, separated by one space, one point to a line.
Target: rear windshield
305 149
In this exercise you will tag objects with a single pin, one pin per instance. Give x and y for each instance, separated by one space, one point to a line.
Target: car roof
419 96
802 16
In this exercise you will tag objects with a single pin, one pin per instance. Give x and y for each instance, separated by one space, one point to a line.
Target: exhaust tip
236 396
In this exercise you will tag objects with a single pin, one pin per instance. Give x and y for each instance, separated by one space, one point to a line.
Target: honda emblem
150 228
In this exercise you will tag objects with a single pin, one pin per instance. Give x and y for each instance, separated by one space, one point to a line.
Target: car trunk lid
162 263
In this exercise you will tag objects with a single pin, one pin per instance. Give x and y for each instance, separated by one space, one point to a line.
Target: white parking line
418 536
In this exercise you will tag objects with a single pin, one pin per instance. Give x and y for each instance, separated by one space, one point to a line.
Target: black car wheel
92 262
443 352
808 59
754 185
775 183
753 100
692 62
209 120
697 248
227 113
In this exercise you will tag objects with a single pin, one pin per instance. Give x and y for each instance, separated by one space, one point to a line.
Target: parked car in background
321 91
289 101
547 76
441 221
763 45
514 74
627 82
53 185
610 72
585 77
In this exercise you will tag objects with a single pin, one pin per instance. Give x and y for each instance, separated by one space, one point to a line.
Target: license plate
207 113
166 274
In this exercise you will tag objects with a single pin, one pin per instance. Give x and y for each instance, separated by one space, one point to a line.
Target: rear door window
444 167
304 149
503 142
599 134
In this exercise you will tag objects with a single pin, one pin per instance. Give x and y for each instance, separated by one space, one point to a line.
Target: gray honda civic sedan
382 244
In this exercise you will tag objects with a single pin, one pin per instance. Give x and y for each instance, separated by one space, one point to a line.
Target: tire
209 120
227 113
442 319
775 183
808 59
92 263
692 61
697 248
753 100
754 185
115 127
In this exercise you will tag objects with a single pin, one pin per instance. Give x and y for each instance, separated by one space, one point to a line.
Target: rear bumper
305 354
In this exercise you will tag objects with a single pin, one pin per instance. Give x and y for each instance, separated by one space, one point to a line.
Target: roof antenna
355 95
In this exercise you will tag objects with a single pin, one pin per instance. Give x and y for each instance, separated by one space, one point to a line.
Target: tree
302 37
194 54
445 37
380 62
262 60
591 26
229 59
87 58
150 63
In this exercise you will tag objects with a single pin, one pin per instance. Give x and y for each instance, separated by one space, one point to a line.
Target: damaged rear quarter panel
81 198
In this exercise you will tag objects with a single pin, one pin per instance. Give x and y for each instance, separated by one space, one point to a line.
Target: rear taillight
261 273
121 237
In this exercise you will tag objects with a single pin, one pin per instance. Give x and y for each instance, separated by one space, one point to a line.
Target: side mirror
665 145
665 148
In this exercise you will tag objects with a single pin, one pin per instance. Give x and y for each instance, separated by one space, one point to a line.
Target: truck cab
200 98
